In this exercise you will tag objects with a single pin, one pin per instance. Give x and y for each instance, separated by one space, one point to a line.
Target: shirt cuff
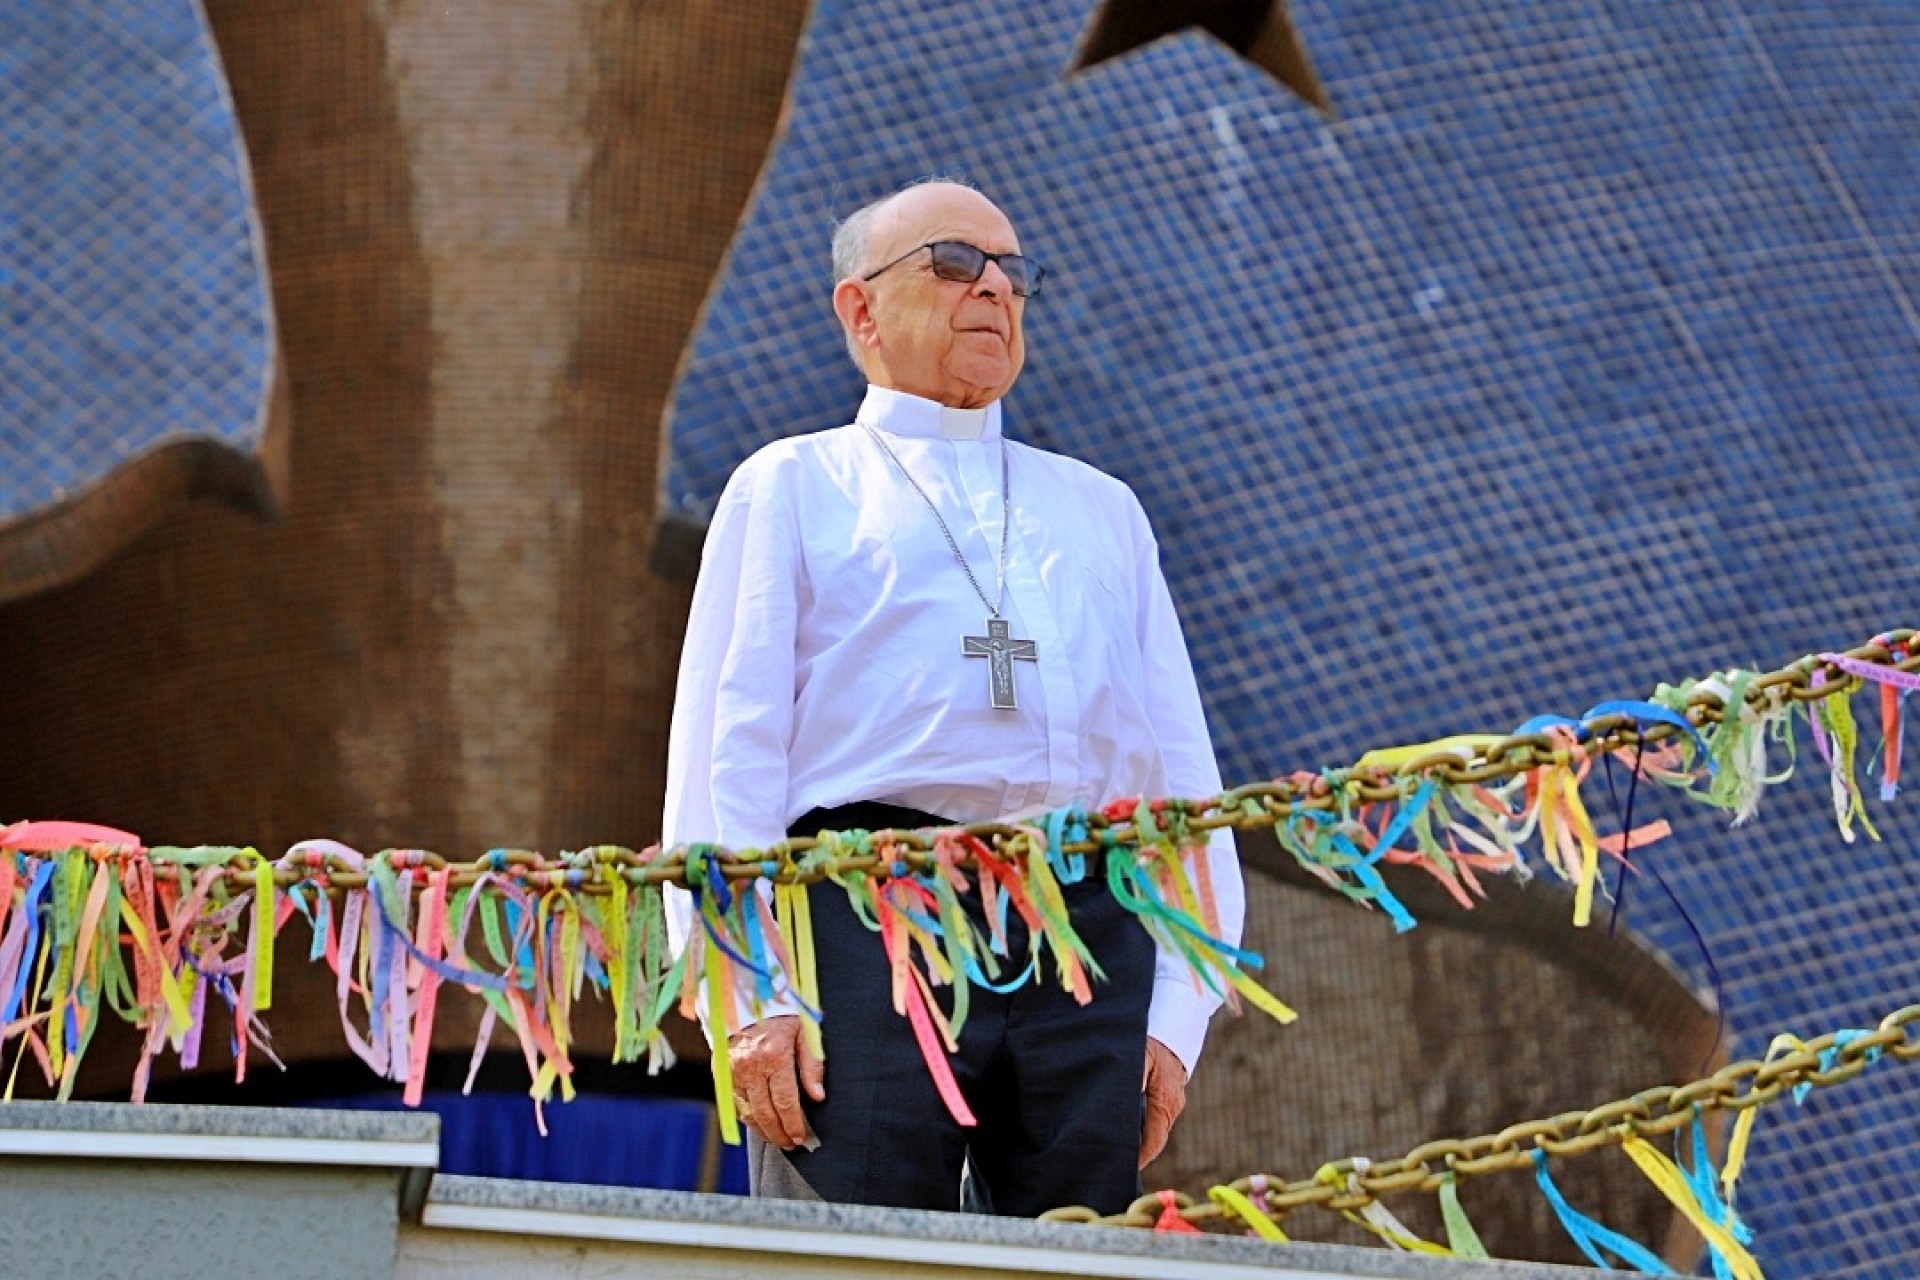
1178 1016
783 1004
684 931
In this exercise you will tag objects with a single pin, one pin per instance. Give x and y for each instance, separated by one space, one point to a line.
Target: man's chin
987 379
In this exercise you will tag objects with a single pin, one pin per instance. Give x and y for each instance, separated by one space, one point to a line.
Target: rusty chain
1647 1114
1257 805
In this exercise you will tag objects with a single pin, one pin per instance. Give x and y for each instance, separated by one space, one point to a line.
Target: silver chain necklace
998 646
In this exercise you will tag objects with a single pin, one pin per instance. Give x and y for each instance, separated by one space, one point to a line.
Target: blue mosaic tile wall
133 305
1579 350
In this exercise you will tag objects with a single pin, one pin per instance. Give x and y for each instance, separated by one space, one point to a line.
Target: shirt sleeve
733 703
1180 1010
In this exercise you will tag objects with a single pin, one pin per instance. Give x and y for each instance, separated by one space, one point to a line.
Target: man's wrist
1178 1017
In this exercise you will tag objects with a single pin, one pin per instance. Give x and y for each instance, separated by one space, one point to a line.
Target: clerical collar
900 414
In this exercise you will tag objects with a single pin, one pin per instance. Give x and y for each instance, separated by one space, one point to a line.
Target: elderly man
912 621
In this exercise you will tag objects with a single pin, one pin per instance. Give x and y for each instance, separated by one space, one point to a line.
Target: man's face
955 342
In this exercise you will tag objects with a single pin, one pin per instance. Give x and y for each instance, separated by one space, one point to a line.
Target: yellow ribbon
1245 1210
1259 996
1589 848
65 888
1467 745
794 911
1838 711
1666 1175
263 930
559 997
1376 1217
719 1019
1743 1123
28 1016
1174 869
179 1012
615 930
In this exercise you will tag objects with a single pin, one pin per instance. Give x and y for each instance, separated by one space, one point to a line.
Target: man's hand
1165 1086
771 1062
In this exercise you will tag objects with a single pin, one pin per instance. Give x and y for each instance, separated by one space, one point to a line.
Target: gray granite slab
202 1220
221 1122
920 1225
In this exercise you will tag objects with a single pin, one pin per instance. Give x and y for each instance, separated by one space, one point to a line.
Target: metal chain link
1258 805
1647 1114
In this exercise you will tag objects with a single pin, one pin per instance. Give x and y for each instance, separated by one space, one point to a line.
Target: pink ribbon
432 937
52 837
1908 680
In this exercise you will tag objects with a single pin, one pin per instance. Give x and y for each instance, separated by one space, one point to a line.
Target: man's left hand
1165 1087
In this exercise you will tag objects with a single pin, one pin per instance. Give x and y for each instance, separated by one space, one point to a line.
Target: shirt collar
901 414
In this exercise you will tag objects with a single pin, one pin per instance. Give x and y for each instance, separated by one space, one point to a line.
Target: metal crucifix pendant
1000 649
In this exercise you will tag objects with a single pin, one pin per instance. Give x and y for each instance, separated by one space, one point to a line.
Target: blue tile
1576 351
132 286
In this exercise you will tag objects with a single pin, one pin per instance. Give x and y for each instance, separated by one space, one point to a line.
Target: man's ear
854 306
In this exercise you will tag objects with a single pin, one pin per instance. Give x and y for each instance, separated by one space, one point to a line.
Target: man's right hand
771 1063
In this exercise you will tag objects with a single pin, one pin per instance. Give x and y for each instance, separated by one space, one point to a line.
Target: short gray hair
850 237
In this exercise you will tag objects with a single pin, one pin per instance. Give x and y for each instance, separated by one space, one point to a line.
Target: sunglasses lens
957 260
953 260
1022 273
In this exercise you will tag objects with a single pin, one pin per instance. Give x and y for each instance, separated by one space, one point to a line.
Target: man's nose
993 282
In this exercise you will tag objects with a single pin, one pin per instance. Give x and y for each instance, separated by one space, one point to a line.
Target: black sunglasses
957 260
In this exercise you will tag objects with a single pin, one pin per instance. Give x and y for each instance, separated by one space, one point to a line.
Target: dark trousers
1054 1085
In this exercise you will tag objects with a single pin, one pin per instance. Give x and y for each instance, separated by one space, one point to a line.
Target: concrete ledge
97 1189
216 1190
806 1237
246 1135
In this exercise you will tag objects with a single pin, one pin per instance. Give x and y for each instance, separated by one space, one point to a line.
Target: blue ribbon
762 967
1706 1190
975 974
704 877
376 960
1831 1055
1350 860
1588 1234
317 916
1143 887
1369 876
1066 826
1409 810
1003 902
391 927
223 987
521 939
30 903
1644 713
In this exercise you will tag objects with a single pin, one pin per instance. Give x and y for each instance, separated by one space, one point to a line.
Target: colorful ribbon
94 925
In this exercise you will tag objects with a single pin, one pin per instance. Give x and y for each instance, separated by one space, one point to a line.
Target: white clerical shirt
824 653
